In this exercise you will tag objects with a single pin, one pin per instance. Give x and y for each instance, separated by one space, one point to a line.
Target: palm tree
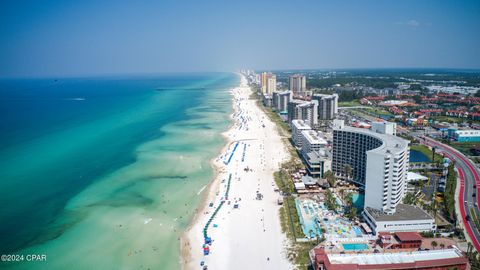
442 245
353 213
434 244
348 170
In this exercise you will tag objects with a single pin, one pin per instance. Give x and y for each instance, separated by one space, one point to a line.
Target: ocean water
105 173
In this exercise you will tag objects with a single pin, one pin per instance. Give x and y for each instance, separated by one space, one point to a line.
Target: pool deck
314 217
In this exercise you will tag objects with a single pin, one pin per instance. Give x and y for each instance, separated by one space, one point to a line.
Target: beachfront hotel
298 83
378 161
327 106
297 127
281 100
304 110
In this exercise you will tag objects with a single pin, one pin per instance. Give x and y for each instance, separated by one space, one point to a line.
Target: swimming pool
358 200
355 246
307 212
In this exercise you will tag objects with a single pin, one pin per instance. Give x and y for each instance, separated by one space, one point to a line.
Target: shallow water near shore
105 173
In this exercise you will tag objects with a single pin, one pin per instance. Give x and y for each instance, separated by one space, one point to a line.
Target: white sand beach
250 236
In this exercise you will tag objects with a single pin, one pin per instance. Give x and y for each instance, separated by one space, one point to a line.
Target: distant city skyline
50 38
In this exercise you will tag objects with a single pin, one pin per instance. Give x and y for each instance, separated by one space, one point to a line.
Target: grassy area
465 147
448 119
474 218
352 103
377 111
426 151
290 220
299 254
363 114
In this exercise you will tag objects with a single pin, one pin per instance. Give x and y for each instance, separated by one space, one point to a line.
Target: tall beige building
298 83
268 83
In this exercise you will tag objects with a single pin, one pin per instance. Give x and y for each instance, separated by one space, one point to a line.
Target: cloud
413 23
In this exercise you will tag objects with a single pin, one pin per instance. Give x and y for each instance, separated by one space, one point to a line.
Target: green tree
434 244
330 201
332 181
449 194
348 170
353 213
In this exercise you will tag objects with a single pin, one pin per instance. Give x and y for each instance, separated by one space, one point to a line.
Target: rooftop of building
408 236
286 92
308 103
297 101
300 124
313 137
326 95
308 180
403 212
391 143
412 176
395 260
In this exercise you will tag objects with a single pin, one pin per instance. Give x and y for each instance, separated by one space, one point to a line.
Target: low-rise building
407 218
400 240
317 162
464 135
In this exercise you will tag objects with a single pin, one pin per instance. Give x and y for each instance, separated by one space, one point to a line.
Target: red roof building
408 239
441 259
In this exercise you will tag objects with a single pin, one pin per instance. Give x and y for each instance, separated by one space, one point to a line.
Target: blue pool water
358 200
350 247
357 231
417 156
307 219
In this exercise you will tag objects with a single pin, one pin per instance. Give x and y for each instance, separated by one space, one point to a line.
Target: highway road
469 184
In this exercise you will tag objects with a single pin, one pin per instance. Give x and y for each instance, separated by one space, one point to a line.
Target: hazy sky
63 38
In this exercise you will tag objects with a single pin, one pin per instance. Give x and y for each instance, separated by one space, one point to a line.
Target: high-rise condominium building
304 110
327 106
281 100
308 111
268 83
298 83
377 161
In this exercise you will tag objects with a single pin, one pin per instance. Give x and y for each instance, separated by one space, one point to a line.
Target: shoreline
207 192
263 152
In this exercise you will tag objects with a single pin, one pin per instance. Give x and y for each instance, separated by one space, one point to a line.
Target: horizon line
139 74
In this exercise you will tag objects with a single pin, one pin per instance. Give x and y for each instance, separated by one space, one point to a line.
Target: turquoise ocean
106 173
